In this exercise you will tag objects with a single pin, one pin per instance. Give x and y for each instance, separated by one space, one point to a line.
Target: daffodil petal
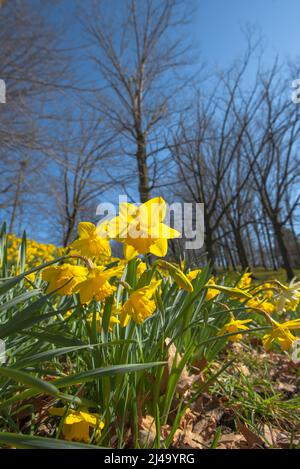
152 212
86 229
129 252
159 248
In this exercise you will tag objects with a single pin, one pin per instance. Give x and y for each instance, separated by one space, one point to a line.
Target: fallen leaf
147 431
252 439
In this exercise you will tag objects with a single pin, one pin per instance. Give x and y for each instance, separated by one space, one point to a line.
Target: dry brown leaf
147 431
283 440
186 439
231 441
188 420
278 438
252 439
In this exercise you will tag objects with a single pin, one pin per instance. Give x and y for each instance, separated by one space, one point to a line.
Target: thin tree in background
33 68
81 160
272 149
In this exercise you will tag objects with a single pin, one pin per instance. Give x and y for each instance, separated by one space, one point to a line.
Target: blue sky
217 27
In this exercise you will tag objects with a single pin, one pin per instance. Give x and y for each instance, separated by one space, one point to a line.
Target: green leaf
25 318
57 338
49 354
18 299
107 313
107 371
28 380
22 253
38 442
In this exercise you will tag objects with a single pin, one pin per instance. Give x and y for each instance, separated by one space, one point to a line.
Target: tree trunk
283 250
250 247
209 245
260 245
268 243
69 231
141 158
17 196
240 248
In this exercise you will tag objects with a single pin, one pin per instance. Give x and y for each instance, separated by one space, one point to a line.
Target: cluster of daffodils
88 271
271 297
36 253
142 231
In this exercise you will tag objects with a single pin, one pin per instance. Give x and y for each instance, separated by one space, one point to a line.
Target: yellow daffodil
267 290
66 315
89 243
66 277
211 292
262 303
141 228
97 285
141 267
234 325
193 274
245 281
36 253
281 333
77 424
140 304
232 292
30 277
112 321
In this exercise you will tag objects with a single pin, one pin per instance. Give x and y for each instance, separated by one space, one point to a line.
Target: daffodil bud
178 276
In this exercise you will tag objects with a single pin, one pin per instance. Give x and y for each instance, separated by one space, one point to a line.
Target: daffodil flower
232 292
89 243
178 276
64 277
211 292
245 281
140 304
234 325
262 303
192 274
77 424
281 333
141 228
289 296
97 285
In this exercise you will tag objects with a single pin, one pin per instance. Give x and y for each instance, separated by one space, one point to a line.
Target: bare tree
83 153
207 153
272 150
33 67
138 50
